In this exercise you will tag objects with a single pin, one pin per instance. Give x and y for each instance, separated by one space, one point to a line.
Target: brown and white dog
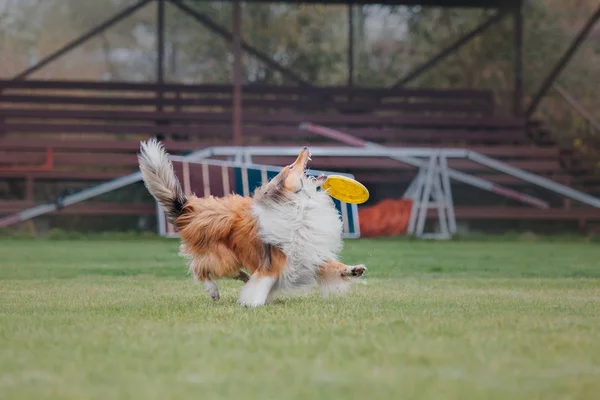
287 236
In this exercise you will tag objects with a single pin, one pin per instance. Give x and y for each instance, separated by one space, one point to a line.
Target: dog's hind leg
335 277
211 289
201 271
333 268
219 262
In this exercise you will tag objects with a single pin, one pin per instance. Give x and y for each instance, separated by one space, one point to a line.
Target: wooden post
518 66
160 59
83 38
206 21
29 188
160 42
417 71
350 46
562 62
237 73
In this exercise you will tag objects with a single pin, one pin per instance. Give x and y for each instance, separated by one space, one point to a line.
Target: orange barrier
389 217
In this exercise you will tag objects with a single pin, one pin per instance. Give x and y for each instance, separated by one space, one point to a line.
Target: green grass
101 319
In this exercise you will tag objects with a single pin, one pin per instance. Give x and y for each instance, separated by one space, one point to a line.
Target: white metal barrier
430 189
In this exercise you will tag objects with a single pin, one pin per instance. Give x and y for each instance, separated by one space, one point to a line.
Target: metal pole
448 50
85 194
350 46
447 188
454 174
535 179
417 191
424 203
160 42
221 31
577 107
537 98
237 73
518 67
162 223
440 203
82 39
160 53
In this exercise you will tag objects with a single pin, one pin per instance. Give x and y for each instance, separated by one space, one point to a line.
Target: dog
288 235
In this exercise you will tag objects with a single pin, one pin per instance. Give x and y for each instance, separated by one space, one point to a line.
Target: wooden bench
271 112
122 155
109 119
105 156
177 96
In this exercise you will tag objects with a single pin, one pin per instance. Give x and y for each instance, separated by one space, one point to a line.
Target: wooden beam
160 60
396 3
83 38
237 72
221 31
160 42
518 62
577 106
350 46
207 88
562 62
449 50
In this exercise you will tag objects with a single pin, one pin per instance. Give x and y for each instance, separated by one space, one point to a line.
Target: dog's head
292 179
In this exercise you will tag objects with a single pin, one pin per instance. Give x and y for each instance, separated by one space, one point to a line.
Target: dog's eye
291 168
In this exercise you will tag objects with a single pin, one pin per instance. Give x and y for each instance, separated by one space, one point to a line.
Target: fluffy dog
287 236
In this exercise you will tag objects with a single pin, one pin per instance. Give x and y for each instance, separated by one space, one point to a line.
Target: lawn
100 319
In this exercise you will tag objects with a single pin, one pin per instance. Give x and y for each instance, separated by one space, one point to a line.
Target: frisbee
346 189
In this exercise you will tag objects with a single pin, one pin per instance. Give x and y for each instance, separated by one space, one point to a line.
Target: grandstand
60 132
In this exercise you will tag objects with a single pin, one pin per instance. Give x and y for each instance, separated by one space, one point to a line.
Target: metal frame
434 165
238 44
445 52
435 170
503 8
562 62
431 189
575 105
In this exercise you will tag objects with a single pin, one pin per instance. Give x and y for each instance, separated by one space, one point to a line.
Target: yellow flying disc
346 189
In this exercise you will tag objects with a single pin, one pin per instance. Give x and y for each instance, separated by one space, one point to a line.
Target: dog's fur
288 236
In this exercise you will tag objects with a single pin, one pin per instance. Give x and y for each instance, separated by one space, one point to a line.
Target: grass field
101 319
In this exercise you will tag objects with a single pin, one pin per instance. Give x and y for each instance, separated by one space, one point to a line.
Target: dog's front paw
251 303
249 298
355 270
255 292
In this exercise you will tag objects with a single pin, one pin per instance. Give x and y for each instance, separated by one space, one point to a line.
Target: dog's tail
160 178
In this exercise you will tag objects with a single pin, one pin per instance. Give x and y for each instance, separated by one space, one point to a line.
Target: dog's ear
320 180
273 191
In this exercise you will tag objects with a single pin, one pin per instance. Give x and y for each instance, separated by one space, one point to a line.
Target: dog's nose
305 148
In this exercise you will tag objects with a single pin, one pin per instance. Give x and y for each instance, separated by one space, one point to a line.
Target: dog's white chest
307 229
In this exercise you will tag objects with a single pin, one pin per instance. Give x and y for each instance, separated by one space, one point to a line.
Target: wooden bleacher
85 131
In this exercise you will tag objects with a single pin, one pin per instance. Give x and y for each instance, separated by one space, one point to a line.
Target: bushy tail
160 178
